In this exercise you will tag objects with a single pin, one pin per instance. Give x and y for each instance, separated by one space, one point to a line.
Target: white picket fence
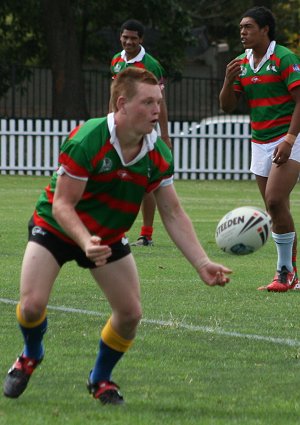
216 148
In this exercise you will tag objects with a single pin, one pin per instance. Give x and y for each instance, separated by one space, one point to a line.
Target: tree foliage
65 35
222 19
19 41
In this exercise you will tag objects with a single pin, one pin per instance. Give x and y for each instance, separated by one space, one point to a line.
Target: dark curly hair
133 25
263 17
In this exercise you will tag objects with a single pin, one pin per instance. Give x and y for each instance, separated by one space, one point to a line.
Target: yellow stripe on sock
113 340
26 324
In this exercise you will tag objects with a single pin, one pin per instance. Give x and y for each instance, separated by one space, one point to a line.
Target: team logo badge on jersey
106 165
296 67
255 80
243 71
272 68
117 68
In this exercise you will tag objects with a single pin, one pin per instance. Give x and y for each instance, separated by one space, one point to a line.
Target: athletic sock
284 244
147 231
111 349
294 255
33 333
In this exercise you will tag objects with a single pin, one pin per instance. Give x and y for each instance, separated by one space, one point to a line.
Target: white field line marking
177 325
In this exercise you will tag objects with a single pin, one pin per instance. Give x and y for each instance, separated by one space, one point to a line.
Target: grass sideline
209 356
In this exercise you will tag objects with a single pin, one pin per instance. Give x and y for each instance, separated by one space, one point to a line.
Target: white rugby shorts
262 155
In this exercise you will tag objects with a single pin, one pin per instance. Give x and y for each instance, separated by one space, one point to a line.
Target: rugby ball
243 230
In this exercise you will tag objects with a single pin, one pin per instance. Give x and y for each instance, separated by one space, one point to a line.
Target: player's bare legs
276 191
148 211
39 270
120 283
280 184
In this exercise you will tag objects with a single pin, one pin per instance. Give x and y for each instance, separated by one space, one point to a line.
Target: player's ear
266 29
121 104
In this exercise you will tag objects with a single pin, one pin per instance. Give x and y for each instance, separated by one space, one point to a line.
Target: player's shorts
63 251
262 155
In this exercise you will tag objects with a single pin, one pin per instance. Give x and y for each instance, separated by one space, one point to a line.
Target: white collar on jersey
266 57
148 142
138 58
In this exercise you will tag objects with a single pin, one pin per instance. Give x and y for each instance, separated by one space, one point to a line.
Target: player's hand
214 274
96 252
233 69
281 153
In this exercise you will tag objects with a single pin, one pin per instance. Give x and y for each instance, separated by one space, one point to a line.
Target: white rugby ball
243 230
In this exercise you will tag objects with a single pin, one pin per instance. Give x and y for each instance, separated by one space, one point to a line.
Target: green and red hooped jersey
114 191
145 61
268 93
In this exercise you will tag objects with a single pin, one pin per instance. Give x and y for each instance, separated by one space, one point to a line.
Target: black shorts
63 251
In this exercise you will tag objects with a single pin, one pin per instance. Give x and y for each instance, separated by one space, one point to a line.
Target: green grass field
208 356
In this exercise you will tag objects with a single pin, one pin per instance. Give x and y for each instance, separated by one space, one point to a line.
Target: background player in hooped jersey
134 54
269 76
106 166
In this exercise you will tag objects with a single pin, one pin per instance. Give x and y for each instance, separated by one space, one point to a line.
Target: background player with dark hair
134 54
269 76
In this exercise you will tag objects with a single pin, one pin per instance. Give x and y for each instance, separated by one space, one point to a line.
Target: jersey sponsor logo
272 68
106 165
296 67
124 175
255 80
37 230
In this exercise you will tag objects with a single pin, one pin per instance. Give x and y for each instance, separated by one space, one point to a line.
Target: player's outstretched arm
181 231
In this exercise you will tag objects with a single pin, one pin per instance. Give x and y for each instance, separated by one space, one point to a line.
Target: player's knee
31 310
274 204
135 317
132 317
